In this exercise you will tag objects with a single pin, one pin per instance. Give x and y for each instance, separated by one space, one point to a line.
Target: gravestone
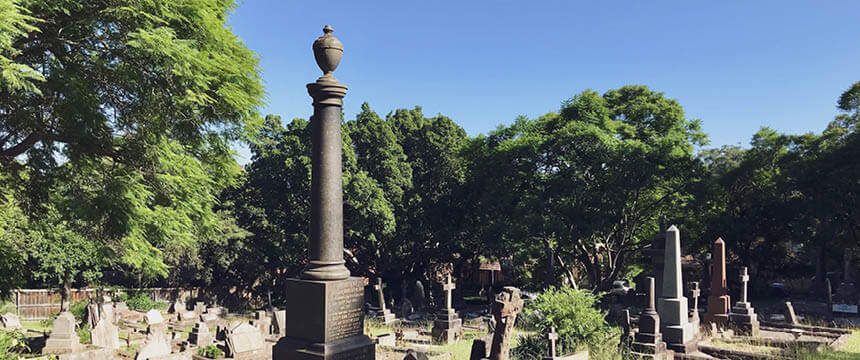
447 326
10 321
419 297
177 307
187 316
153 317
552 337
623 319
845 299
245 342
209 317
695 292
719 301
405 308
156 345
200 308
743 316
788 312
828 288
648 342
386 340
325 305
505 309
63 337
384 314
108 312
200 335
93 313
679 333
279 326
105 335
262 322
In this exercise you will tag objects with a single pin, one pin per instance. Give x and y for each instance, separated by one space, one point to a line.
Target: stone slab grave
10 321
105 335
447 328
386 340
245 342
63 338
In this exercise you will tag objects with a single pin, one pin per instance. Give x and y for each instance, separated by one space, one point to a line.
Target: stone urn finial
327 51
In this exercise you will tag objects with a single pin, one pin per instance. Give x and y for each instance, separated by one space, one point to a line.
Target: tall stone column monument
719 301
324 306
678 331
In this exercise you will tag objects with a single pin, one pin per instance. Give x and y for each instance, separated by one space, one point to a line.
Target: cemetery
602 229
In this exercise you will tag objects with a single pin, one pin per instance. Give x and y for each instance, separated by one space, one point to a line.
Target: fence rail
39 304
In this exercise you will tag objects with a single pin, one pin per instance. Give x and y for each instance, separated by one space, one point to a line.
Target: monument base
718 310
682 338
326 321
744 319
447 327
386 316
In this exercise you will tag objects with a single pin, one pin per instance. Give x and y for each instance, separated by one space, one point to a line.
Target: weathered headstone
10 321
200 335
63 337
679 333
187 316
415 355
153 317
200 308
788 312
648 342
447 326
623 319
828 289
209 317
508 304
743 316
246 342
262 322
384 313
719 301
325 305
177 307
156 345
279 326
419 297
93 313
105 334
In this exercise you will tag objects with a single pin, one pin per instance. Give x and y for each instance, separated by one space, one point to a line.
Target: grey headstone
10 321
105 335
63 337
153 317
788 312
200 335
244 340
387 340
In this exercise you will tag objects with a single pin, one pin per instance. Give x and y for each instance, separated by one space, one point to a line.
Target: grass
851 351
39 326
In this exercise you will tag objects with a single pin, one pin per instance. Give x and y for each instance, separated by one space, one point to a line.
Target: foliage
210 351
83 331
574 315
12 344
79 310
15 236
140 301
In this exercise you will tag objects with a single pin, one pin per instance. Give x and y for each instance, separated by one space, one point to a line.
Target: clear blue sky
737 66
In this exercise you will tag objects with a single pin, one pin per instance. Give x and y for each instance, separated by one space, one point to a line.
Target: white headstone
10 321
153 317
156 345
105 335
243 339
280 323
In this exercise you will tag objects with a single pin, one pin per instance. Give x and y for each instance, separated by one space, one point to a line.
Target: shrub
140 301
577 320
79 309
210 351
84 333
122 297
12 344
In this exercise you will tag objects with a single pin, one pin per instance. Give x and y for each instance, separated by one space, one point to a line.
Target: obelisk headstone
648 342
325 306
718 302
743 316
679 333
447 326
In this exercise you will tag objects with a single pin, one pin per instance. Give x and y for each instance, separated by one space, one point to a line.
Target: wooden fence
39 304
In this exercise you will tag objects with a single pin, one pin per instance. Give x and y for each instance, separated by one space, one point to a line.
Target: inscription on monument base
344 315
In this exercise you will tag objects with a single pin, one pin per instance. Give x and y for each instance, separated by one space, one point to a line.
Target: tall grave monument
743 315
718 302
679 333
324 306
648 342
447 326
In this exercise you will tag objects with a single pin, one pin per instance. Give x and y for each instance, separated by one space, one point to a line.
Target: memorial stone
279 326
678 332
187 316
10 321
63 338
695 292
262 322
743 316
505 309
105 335
447 326
415 355
177 307
384 314
245 342
153 317
156 345
828 289
648 342
719 301
200 308
788 312
325 306
200 335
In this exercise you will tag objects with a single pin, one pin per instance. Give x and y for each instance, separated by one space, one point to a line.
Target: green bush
576 318
12 344
210 351
84 333
79 309
122 297
140 301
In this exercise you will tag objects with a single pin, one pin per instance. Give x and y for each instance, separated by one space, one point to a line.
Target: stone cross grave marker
695 292
448 287
743 315
379 287
552 337
508 304
745 278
